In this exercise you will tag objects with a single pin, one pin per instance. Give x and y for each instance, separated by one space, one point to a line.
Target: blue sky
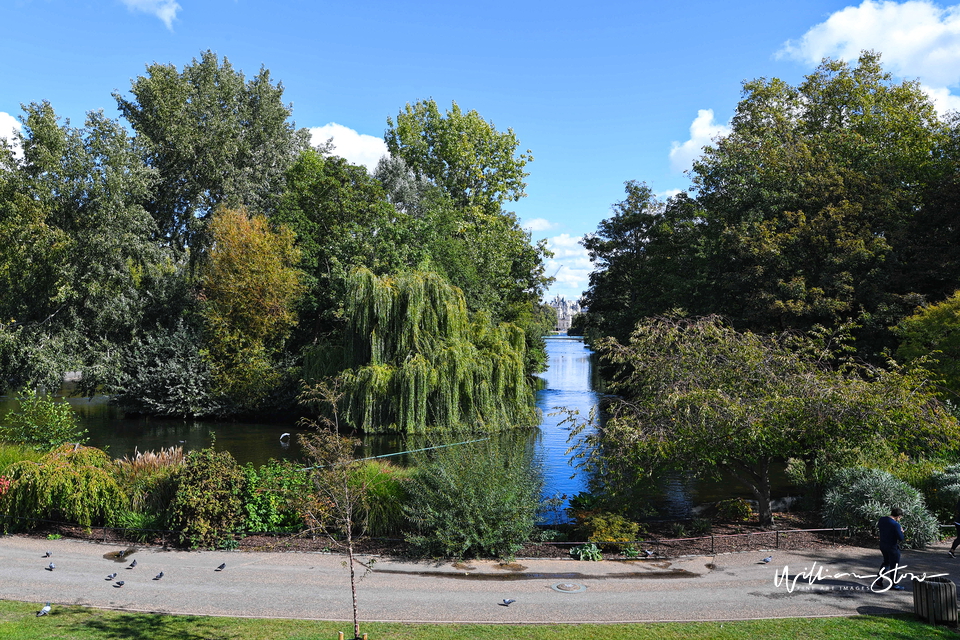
620 91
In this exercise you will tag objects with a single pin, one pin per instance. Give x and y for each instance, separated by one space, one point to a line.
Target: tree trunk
353 585
758 481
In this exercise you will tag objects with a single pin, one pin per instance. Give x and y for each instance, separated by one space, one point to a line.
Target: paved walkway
316 586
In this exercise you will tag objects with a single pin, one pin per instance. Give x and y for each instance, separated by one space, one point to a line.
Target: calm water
567 383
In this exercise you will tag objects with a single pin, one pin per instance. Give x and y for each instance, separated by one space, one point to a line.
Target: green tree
214 137
414 360
41 423
818 207
805 202
700 396
248 286
645 260
342 220
78 267
474 170
932 334
460 152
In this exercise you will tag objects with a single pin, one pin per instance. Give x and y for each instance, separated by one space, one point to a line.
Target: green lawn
18 621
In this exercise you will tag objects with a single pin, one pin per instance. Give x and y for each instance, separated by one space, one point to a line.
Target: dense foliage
414 360
41 423
827 201
195 267
859 497
70 483
700 396
207 508
485 506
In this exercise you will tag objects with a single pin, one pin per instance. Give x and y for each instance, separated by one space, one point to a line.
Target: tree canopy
697 395
214 138
814 209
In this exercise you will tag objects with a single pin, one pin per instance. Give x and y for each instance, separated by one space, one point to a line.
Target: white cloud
358 148
943 100
917 39
538 224
669 193
702 132
9 126
570 266
166 10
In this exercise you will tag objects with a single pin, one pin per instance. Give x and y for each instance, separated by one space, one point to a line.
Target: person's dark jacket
891 533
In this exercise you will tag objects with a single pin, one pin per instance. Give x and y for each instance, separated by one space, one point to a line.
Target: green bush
149 481
734 510
607 528
701 526
858 497
270 496
40 423
943 491
10 453
475 499
384 496
589 552
71 484
207 508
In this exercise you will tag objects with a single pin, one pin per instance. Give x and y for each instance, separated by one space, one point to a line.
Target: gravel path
315 586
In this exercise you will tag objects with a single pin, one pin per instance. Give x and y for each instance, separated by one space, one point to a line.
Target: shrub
270 495
701 526
148 479
10 453
587 551
384 496
40 423
944 492
207 506
165 373
678 530
734 510
476 499
71 483
607 528
858 497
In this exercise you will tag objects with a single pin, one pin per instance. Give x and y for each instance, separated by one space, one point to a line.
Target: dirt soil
724 537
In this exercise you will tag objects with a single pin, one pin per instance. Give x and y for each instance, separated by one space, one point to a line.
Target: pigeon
121 553
767 560
506 602
221 567
47 554
120 583
159 575
647 553
132 564
111 576
51 567
44 611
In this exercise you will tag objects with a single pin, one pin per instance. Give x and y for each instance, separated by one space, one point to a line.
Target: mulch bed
727 537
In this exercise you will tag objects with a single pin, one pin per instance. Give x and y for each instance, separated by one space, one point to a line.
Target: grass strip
18 621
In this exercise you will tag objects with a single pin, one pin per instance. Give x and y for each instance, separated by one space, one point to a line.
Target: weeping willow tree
415 361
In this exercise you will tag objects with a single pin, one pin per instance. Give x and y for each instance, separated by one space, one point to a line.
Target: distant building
565 312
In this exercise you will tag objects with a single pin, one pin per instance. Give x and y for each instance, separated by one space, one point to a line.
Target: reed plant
147 478
387 491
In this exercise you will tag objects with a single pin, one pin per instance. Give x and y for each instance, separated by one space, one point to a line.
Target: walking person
891 535
956 524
